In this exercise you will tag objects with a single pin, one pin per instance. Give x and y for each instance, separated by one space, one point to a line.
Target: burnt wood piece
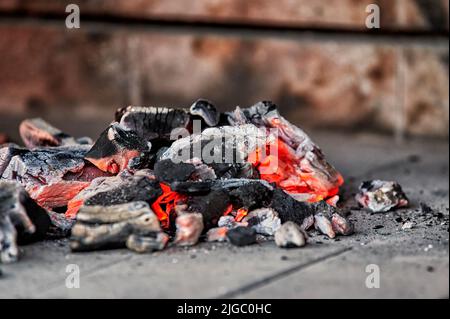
158 123
251 196
116 147
100 227
52 176
38 133
205 110
151 123
21 220
120 189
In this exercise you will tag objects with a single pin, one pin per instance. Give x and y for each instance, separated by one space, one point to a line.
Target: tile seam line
281 274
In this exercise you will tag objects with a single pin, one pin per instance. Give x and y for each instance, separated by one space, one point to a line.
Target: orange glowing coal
164 204
288 172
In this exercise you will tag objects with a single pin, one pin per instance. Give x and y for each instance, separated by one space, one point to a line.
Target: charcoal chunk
381 196
290 209
206 110
115 148
212 206
168 171
290 235
241 236
251 196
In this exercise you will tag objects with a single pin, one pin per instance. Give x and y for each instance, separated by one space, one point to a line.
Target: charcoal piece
99 227
381 196
212 206
148 243
52 176
115 148
60 227
290 235
151 123
251 196
341 225
264 221
189 228
167 171
192 188
116 190
241 236
21 220
324 225
206 110
7 152
297 150
218 234
38 133
289 209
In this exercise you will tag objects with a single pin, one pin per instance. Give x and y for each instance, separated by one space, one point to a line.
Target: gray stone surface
413 263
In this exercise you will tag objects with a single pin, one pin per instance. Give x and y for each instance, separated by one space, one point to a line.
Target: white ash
264 221
290 235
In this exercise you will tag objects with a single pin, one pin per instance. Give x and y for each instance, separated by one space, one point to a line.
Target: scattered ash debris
245 176
381 196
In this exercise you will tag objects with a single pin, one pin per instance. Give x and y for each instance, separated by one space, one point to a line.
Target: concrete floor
412 263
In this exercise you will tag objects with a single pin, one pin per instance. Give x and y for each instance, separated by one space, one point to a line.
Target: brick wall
314 58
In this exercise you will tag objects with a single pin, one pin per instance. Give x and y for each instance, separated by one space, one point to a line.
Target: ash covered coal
381 196
38 133
52 176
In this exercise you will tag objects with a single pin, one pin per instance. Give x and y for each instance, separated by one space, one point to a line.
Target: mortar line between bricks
112 23
279 275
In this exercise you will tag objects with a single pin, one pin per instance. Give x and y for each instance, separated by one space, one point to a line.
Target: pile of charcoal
161 176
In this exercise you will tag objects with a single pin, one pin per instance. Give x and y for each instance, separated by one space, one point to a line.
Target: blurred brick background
315 59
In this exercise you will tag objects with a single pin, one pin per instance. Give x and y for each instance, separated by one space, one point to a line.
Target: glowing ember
286 171
165 203
241 213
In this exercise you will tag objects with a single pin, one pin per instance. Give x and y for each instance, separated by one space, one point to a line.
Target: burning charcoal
7 152
206 110
241 236
21 220
189 229
115 148
264 221
217 234
121 189
202 171
145 244
38 133
152 123
212 206
300 167
290 235
52 176
381 196
100 227
60 227
324 225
